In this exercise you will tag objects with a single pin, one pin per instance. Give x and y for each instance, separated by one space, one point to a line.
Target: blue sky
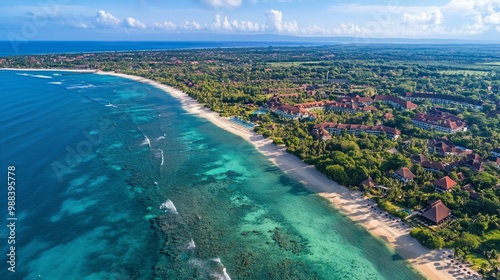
166 19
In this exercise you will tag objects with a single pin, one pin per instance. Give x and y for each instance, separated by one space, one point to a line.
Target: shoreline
432 264
50 69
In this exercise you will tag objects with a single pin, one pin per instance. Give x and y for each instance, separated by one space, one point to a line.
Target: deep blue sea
8 48
114 180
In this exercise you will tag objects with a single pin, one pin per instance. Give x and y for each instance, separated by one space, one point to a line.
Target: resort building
444 147
355 99
321 134
444 184
418 159
461 176
496 162
472 192
396 102
404 175
436 212
433 166
439 121
495 152
445 99
474 162
369 183
341 107
290 112
355 129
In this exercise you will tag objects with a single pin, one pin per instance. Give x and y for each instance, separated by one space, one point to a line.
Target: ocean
12 48
114 180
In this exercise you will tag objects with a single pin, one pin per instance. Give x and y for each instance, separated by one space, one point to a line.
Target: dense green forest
237 82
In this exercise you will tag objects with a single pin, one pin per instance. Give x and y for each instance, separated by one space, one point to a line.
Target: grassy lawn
496 63
283 64
392 208
492 234
464 72
476 259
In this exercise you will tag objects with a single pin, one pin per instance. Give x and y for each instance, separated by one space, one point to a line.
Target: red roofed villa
437 212
404 175
444 184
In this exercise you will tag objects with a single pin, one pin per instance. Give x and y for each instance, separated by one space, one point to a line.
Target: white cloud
166 25
222 25
246 26
455 19
275 23
434 17
493 18
235 25
107 20
223 3
190 26
274 20
80 25
133 23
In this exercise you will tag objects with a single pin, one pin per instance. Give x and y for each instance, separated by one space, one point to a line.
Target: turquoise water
116 181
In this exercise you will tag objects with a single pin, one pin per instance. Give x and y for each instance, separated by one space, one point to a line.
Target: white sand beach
433 264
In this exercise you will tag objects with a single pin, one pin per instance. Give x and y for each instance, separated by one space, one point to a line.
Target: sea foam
162 157
81 86
146 142
34 76
220 272
191 244
169 206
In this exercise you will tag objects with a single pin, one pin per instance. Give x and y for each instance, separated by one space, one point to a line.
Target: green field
496 63
464 72
477 260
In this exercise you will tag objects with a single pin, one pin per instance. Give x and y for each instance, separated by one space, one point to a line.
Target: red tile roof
437 212
368 182
433 165
445 183
403 103
405 173
419 158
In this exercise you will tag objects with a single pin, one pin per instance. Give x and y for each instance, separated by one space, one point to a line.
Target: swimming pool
242 122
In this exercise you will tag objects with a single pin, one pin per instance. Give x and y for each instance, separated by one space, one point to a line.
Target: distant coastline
350 203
